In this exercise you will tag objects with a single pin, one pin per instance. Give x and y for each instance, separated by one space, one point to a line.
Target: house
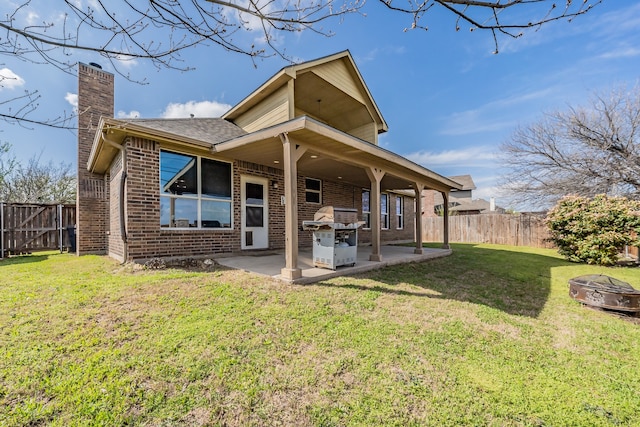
461 201
306 138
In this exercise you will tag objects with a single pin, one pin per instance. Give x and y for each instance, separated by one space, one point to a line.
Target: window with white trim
313 190
366 208
195 192
399 212
384 211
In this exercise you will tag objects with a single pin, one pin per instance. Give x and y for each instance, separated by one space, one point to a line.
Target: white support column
418 217
445 216
375 176
291 154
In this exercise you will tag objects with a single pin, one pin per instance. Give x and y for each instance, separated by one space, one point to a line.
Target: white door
255 212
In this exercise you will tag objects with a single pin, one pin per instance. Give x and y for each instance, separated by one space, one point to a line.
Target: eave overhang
112 132
333 155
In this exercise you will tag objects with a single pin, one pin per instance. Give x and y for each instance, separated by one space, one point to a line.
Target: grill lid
337 215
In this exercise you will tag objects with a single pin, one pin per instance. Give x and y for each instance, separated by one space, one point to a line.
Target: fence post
60 226
2 230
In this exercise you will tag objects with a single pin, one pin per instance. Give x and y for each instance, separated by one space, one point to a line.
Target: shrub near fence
502 229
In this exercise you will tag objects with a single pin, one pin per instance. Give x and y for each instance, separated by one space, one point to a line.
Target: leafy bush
594 230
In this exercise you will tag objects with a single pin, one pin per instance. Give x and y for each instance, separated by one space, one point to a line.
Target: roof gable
331 89
465 180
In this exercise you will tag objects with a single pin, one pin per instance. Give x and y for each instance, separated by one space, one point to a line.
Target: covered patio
305 146
270 264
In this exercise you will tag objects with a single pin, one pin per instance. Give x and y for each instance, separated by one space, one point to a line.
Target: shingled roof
465 180
211 130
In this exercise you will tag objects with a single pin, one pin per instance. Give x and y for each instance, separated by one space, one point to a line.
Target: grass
485 337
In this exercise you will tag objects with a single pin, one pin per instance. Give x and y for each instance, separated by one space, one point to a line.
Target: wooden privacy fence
502 229
27 228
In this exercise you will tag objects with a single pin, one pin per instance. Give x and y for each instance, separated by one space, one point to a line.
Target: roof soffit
113 132
332 155
297 70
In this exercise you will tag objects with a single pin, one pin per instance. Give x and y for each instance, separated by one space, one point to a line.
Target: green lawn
487 336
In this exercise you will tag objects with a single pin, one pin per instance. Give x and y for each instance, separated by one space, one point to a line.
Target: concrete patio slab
269 264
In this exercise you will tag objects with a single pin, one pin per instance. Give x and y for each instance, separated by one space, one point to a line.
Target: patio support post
445 223
291 155
375 176
418 220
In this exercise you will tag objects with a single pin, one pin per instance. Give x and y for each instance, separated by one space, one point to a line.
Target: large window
313 190
194 192
366 208
384 211
399 212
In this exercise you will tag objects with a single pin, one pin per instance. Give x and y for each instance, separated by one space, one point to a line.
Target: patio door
255 212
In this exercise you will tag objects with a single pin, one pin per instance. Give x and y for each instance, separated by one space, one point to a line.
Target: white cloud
621 52
466 157
72 98
9 79
373 54
32 18
493 116
126 61
619 21
473 121
250 22
198 109
133 114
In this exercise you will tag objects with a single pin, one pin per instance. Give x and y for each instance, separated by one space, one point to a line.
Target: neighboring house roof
462 194
473 205
476 205
465 180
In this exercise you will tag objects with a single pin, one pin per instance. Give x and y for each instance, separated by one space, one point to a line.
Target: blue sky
448 100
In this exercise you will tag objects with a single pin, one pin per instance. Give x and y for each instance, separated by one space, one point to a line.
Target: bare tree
8 163
585 151
35 182
159 30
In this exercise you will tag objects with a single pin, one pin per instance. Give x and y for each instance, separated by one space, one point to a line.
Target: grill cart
335 237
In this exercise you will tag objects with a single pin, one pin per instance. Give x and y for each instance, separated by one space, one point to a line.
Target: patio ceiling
319 98
331 155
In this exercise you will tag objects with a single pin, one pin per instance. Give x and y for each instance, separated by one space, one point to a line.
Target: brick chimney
95 99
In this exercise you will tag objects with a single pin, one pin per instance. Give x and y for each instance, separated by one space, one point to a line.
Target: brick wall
393 234
144 236
429 203
95 99
147 240
114 239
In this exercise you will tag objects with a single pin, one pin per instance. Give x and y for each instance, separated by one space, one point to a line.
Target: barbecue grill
335 236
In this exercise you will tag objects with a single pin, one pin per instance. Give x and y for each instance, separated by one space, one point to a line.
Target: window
313 190
399 212
366 208
384 211
194 192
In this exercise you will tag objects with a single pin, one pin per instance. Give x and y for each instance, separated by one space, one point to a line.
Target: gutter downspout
123 182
